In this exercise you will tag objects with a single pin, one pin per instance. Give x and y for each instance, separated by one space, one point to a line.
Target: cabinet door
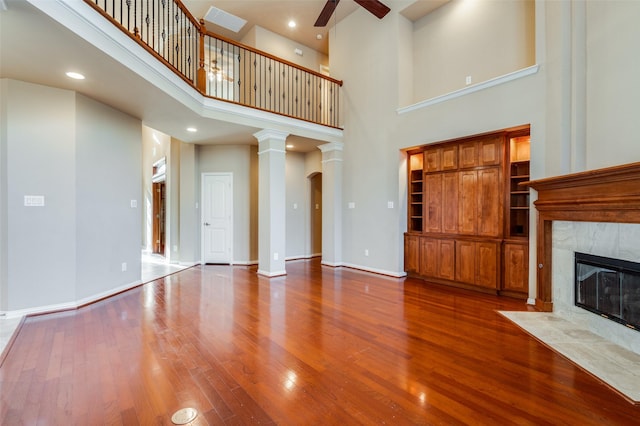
490 151
468 155
516 267
487 270
432 160
490 202
428 257
467 202
450 202
446 259
449 158
411 253
434 202
466 261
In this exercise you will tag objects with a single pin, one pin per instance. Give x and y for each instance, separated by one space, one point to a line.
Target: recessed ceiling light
319 36
289 146
292 24
192 129
75 75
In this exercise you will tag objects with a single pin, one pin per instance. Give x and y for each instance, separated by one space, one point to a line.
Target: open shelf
519 171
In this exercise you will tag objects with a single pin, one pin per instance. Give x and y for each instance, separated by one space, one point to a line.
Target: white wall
189 243
108 162
40 152
3 193
84 158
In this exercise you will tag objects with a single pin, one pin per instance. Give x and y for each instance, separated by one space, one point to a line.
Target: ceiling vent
224 19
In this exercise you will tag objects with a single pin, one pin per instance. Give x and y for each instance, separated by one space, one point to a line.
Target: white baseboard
375 270
531 301
271 274
244 262
68 305
303 256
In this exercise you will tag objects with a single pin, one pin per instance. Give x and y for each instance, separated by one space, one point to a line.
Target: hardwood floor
318 346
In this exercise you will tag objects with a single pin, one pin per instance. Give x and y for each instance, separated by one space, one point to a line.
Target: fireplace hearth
608 287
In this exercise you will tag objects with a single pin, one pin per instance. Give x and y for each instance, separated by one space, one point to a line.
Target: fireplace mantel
611 194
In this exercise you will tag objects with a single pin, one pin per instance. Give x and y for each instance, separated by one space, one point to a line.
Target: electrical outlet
366 252
124 266
275 256
468 80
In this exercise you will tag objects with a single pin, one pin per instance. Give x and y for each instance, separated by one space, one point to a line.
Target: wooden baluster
202 73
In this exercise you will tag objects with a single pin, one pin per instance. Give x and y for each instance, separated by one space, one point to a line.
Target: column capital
268 134
331 146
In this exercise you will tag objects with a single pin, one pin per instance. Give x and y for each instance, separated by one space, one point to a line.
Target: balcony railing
221 68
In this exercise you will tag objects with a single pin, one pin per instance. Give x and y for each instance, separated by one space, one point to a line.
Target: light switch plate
34 200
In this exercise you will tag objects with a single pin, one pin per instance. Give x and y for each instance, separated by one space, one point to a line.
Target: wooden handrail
270 56
180 42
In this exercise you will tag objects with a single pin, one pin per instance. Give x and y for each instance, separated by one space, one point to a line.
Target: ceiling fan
374 6
217 74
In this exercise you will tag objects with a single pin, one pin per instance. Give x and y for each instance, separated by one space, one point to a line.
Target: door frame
201 225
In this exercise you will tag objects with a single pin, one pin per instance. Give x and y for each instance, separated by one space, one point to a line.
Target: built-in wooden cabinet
469 225
437 258
516 267
412 254
478 263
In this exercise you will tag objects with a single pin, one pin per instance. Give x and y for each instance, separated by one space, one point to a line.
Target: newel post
201 82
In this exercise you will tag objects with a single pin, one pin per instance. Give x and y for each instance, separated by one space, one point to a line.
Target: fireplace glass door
609 287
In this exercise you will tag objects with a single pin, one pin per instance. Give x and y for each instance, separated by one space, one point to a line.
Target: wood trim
610 194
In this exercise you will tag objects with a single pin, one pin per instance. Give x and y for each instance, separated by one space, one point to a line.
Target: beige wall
480 39
580 116
612 83
284 48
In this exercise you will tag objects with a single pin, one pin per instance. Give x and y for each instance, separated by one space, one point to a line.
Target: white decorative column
271 202
331 203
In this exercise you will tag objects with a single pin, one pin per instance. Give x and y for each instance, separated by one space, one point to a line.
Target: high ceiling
24 57
274 15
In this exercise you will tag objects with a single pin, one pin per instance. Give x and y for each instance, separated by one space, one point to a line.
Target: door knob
206 224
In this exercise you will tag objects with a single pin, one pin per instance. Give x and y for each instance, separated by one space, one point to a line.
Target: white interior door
217 214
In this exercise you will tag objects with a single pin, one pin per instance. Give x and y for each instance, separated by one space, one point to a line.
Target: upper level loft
221 68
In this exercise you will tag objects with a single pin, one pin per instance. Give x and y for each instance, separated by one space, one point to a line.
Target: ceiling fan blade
326 13
375 7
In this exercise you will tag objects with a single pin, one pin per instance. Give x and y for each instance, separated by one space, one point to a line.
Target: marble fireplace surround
595 212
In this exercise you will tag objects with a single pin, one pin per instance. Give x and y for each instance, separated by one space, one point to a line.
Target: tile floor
153 267
614 365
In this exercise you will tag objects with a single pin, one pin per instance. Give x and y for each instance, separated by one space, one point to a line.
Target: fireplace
608 287
595 211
